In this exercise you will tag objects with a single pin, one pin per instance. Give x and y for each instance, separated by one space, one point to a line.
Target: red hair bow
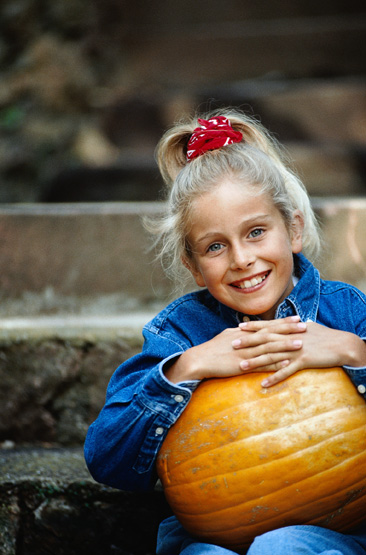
213 133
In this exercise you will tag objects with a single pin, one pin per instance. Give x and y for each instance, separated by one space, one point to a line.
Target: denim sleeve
358 377
141 405
346 310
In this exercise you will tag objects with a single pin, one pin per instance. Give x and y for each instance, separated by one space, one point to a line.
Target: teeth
252 282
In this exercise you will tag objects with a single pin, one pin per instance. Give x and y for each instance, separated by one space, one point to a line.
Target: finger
262 323
274 326
259 324
264 366
266 343
286 371
267 361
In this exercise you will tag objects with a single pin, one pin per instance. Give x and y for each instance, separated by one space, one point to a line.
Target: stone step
329 44
162 13
80 90
55 370
320 121
94 259
50 504
78 259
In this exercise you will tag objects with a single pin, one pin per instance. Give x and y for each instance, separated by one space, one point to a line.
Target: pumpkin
242 460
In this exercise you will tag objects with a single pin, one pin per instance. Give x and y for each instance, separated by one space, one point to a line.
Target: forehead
229 197
228 207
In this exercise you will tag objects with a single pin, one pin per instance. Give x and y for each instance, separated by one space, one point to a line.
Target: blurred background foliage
88 86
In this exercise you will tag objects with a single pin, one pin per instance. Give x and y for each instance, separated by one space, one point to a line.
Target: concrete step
160 13
50 504
54 372
327 166
78 259
100 84
94 259
320 121
328 44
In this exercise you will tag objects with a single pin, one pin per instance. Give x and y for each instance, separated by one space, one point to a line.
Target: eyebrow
248 223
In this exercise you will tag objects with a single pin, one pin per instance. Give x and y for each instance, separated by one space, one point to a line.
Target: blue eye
256 232
215 247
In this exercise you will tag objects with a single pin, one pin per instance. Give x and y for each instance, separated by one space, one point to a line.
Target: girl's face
242 249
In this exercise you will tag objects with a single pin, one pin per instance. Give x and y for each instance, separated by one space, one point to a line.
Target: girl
241 224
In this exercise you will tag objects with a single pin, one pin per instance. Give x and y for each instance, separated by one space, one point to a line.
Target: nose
241 257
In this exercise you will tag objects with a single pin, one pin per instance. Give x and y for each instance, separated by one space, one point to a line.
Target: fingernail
295 318
236 343
243 324
265 383
244 364
297 343
301 326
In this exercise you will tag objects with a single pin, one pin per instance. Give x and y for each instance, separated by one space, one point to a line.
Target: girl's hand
227 354
322 347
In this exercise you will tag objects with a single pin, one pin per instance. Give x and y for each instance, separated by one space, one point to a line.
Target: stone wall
50 505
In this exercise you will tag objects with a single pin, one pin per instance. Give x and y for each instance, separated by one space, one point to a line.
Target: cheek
207 274
197 272
288 265
198 277
281 255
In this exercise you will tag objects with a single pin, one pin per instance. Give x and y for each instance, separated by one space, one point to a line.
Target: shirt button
246 319
179 398
159 431
361 389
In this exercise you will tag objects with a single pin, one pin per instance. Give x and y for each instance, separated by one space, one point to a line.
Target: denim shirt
141 404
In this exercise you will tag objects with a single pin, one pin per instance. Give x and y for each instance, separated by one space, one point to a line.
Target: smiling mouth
248 283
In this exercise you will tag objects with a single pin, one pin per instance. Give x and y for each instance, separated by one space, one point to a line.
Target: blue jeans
299 540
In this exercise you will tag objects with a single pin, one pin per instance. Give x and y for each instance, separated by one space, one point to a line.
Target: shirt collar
304 298
230 315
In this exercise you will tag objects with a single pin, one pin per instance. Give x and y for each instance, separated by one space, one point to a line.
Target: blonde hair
258 161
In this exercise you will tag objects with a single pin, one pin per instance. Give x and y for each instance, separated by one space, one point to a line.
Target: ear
296 231
197 276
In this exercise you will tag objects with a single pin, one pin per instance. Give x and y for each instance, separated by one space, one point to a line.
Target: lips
249 283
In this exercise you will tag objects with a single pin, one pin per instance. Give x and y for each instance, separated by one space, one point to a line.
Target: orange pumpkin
242 460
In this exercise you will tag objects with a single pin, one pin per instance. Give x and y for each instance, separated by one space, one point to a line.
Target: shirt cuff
358 377
189 384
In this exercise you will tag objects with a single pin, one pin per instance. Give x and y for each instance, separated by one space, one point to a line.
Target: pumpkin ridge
235 405
271 434
184 438
320 520
217 413
317 520
295 454
350 460
300 484
299 383
267 507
